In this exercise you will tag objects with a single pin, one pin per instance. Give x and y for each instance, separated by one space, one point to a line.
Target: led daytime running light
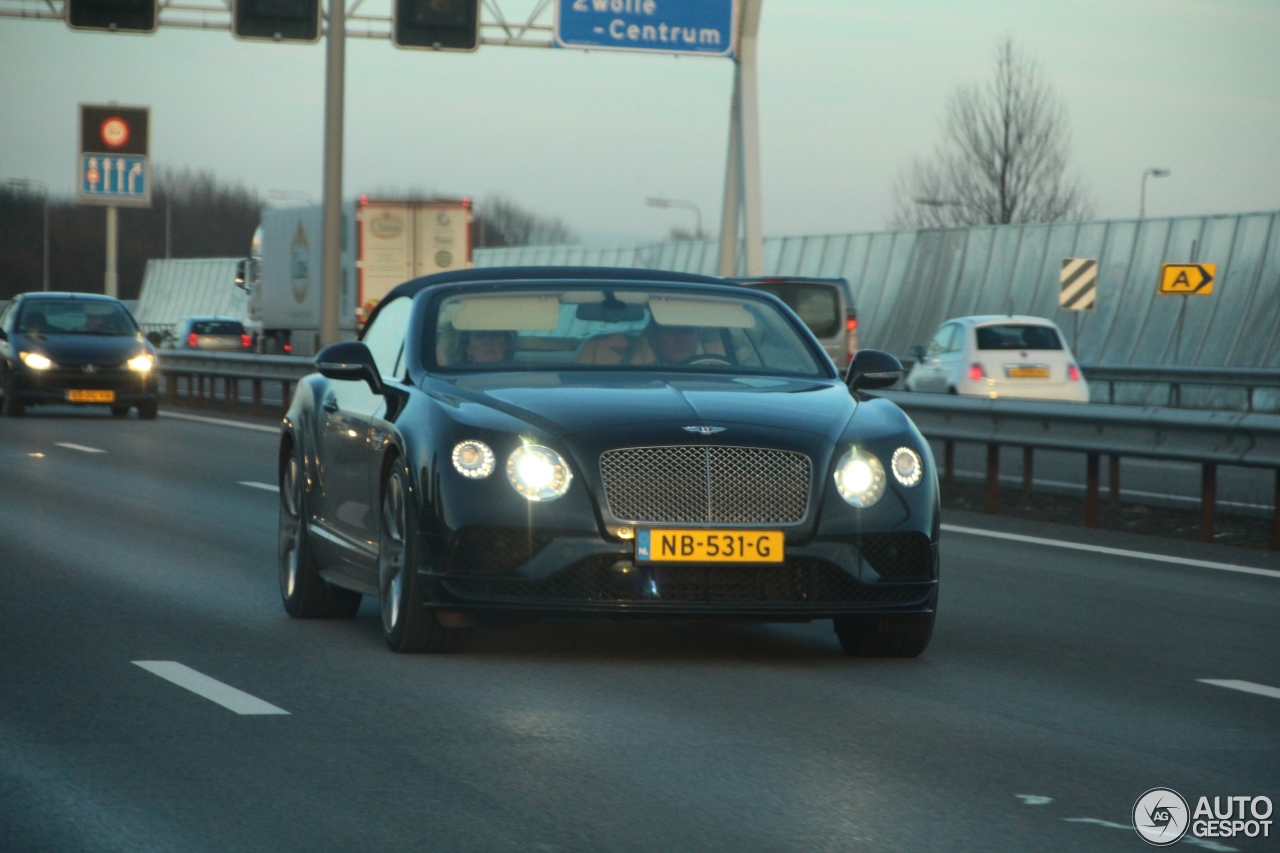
473 459
907 466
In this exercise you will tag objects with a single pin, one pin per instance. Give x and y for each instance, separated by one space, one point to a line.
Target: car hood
570 404
83 349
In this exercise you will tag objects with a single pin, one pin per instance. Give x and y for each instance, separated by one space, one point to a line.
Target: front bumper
519 570
52 387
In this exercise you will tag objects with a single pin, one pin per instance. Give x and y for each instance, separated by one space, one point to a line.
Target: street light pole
1154 172
681 203
28 183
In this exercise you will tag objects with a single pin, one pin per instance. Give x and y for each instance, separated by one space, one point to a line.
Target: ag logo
1160 817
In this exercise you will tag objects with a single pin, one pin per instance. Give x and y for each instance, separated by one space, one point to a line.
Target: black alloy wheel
304 593
887 636
408 625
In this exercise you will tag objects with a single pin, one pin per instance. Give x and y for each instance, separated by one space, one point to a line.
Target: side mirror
242 274
155 338
350 360
872 368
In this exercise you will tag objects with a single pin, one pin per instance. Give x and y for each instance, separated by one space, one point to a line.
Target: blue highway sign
702 27
114 179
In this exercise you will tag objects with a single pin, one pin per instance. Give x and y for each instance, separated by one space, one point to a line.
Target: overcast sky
850 91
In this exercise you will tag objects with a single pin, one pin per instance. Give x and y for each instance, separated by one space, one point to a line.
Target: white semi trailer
384 243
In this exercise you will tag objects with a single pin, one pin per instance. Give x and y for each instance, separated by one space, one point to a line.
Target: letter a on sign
1187 279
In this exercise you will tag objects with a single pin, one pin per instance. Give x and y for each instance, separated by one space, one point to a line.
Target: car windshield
1018 336
217 327
75 317
578 326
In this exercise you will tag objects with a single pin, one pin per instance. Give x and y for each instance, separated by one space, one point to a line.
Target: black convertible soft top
497 274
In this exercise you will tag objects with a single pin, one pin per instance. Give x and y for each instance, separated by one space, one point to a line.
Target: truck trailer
384 243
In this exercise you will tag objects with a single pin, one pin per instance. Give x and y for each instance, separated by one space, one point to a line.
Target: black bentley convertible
603 442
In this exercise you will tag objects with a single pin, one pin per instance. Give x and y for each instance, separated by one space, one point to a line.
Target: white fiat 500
999 356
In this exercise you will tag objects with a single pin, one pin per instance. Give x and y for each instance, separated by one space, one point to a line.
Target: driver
673 344
485 347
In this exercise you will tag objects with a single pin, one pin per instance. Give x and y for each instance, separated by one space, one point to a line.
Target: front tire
887 636
408 625
13 407
304 593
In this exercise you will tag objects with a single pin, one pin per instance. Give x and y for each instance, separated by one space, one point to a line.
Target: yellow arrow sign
1187 279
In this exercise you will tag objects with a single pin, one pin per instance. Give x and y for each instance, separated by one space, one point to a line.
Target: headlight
907 466
473 459
35 360
538 473
141 363
860 478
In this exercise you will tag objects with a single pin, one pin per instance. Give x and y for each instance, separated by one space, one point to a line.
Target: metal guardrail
1206 438
201 371
1249 378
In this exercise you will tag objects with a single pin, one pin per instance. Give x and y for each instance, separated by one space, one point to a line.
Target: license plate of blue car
659 545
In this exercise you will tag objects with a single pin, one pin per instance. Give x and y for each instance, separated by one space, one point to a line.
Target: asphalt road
1061 685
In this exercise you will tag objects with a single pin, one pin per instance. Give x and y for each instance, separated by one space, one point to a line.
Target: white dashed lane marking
1114 552
1243 686
266 487
209 688
1186 839
79 447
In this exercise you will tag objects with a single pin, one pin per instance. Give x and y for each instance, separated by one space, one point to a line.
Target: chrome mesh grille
706 485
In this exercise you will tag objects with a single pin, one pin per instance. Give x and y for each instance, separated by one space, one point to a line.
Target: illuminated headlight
141 363
907 467
538 473
473 459
35 360
860 478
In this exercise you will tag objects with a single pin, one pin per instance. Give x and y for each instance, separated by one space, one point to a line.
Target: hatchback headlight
35 360
907 466
538 473
141 363
860 478
473 459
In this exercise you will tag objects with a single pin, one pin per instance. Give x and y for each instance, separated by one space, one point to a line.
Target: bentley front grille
706 485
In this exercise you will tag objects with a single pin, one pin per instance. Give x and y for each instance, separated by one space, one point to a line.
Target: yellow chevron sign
1187 279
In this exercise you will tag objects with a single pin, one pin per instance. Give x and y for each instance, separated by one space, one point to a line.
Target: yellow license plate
709 546
1028 373
91 396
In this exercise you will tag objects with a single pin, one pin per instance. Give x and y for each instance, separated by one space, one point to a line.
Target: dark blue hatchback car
77 349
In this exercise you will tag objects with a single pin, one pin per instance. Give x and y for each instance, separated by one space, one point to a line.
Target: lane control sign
1187 279
113 163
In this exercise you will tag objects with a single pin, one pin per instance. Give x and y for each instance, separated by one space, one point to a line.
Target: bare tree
502 222
1003 156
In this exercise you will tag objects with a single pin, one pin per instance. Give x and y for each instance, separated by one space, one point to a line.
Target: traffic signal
276 20
126 16
436 24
